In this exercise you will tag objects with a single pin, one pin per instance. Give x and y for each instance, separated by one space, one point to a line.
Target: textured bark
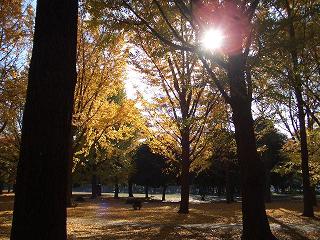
184 203
255 221
41 183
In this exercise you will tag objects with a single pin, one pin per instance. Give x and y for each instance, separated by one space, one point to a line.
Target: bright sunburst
212 39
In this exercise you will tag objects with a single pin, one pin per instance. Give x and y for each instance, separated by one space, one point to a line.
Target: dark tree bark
1 188
41 183
164 188
146 190
116 190
184 203
307 193
130 192
255 221
69 191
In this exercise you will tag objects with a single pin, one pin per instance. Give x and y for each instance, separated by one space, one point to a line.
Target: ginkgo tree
16 20
106 154
184 107
289 68
106 126
15 91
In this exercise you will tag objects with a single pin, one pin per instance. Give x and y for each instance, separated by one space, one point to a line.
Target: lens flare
212 39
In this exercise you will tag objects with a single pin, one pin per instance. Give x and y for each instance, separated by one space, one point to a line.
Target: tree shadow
290 231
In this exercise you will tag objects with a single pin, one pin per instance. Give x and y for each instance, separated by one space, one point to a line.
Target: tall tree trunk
116 190
1 188
164 188
255 221
307 193
184 203
310 123
94 186
41 183
146 190
130 192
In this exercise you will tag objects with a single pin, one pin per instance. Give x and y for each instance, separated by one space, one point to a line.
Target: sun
212 39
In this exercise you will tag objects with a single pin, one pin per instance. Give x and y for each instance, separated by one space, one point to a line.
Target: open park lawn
107 218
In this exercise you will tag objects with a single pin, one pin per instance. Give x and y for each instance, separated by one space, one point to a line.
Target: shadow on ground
107 218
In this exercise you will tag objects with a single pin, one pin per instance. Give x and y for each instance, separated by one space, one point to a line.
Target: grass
108 218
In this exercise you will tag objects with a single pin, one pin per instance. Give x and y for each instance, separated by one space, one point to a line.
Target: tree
297 86
270 143
16 20
110 140
100 73
184 107
149 168
11 136
291 165
41 184
293 27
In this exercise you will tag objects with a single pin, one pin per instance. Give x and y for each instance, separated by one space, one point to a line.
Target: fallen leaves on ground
107 218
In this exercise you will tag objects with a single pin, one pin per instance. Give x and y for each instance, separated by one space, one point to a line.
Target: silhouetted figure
137 204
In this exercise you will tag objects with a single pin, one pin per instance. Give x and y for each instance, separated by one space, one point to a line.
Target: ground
107 218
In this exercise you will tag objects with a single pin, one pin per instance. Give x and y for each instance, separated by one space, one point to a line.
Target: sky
134 83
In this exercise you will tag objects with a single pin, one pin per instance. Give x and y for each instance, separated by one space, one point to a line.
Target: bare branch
215 80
